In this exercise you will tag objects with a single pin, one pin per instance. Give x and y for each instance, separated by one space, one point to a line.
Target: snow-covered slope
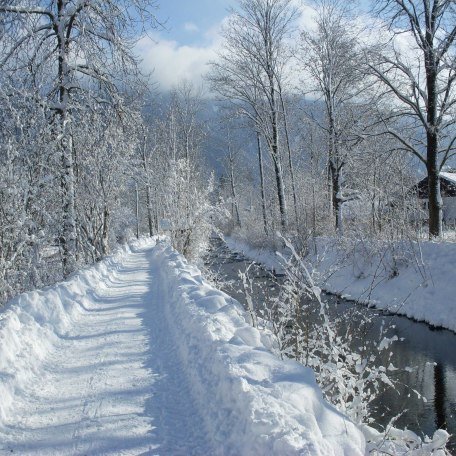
139 355
422 288
254 403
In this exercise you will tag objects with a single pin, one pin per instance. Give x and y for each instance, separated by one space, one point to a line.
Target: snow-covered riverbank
418 282
139 354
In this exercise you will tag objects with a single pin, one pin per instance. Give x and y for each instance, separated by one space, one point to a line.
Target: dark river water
430 353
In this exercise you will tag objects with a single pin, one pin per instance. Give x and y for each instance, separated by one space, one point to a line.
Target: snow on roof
451 177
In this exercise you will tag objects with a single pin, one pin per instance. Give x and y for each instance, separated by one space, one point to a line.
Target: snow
424 287
451 177
140 355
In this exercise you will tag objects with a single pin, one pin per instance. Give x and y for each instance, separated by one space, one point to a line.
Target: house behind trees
448 192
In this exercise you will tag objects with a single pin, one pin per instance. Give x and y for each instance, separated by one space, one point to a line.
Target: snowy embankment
259 404
415 280
139 355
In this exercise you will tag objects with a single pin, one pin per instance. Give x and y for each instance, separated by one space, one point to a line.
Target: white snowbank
253 403
423 288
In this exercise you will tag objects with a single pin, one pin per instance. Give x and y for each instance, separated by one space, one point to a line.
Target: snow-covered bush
106 146
395 441
180 194
190 209
375 259
28 194
349 368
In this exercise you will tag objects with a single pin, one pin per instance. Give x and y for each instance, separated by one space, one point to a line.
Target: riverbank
424 362
417 280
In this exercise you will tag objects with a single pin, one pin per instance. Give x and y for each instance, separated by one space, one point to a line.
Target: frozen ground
139 355
419 282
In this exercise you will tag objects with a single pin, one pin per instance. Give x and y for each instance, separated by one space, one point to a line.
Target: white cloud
191 27
308 16
171 62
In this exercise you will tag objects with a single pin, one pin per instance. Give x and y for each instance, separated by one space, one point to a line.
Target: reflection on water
425 395
426 362
439 396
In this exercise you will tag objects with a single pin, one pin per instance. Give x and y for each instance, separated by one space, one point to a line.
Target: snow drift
251 402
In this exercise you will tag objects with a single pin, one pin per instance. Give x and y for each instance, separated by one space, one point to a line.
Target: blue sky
189 21
191 39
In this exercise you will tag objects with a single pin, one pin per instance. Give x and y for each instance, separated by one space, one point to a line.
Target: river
430 353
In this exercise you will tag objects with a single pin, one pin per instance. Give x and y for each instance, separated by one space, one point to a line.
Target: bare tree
232 152
262 184
145 159
423 81
250 72
332 58
105 145
186 108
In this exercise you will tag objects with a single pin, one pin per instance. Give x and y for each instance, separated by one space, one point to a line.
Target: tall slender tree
332 59
422 78
250 72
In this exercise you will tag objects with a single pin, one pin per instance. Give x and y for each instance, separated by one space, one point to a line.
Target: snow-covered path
140 355
112 385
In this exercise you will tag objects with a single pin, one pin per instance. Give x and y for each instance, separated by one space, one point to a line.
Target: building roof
447 185
451 177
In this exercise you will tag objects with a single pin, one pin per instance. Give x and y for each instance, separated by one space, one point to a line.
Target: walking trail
114 383
139 355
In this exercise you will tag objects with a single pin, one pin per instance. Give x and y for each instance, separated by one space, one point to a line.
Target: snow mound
253 403
421 286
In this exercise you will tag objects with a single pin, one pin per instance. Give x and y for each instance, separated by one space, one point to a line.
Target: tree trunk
435 198
68 237
333 163
148 197
290 161
233 191
274 145
105 233
280 191
149 211
263 196
137 210
335 196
